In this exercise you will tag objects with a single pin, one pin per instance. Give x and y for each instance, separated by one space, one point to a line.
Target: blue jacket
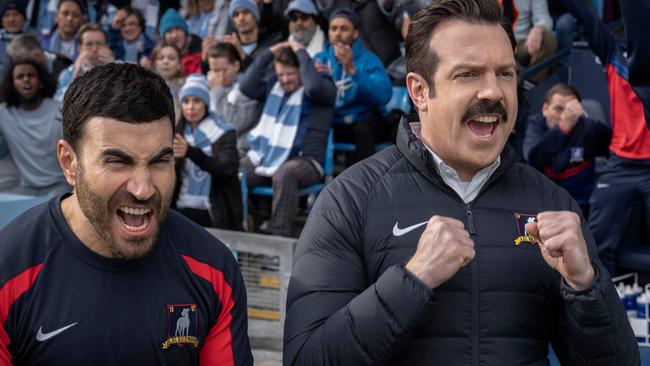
116 44
365 93
567 159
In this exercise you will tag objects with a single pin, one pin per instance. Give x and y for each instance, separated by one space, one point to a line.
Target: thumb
532 229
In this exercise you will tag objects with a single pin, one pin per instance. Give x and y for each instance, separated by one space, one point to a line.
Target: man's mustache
483 108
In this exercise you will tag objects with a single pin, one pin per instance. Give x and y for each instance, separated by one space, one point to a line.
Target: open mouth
133 219
483 126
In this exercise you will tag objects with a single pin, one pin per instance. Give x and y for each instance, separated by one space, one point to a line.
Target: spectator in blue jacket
13 22
362 82
126 37
563 142
288 144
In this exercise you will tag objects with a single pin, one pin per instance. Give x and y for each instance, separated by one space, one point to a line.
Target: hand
215 78
145 62
278 46
205 44
563 246
322 69
534 40
569 117
296 46
119 19
233 39
444 247
180 146
82 64
343 53
105 55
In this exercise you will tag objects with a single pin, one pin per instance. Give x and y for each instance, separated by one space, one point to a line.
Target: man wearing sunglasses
303 27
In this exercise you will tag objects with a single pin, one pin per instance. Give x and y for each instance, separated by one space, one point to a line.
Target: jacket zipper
475 294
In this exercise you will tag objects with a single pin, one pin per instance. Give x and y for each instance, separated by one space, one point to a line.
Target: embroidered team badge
577 155
521 220
183 325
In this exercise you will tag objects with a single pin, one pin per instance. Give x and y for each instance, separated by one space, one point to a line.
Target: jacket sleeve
546 149
635 18
373 82
534 134
593 327
244 114
334 316
318 87
601 41
541 15
252 83
224 161
602 137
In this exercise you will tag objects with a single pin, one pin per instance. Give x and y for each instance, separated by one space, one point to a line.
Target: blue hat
249 5
303 6
348 14
196 85
171 19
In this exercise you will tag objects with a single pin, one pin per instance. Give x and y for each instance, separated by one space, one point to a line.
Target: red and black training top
62 304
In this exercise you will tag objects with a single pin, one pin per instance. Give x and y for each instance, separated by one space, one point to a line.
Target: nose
141 185
490 89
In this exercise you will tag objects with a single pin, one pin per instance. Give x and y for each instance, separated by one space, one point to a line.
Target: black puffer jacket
351 302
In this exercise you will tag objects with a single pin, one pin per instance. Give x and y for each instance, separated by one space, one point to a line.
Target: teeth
486 119
135 211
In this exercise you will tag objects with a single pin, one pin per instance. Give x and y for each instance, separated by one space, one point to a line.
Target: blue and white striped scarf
271 140
196 183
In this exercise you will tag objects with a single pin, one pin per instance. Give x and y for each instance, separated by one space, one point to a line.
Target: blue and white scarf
55 45
133 50
196 183
271 140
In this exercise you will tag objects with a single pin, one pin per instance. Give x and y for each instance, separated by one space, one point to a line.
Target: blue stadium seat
314 189
400 100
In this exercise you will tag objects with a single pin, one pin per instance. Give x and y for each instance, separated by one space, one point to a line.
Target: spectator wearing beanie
248 40
205 148
174 30
12 13
303 27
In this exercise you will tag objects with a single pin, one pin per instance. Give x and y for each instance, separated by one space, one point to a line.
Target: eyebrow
480 66
117 153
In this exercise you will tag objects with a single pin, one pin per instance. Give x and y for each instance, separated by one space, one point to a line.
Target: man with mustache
445 249
30 126
108 266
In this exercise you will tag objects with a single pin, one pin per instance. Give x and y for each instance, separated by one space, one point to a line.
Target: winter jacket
223 166
318 102
567 158
366 92
351 301
630 135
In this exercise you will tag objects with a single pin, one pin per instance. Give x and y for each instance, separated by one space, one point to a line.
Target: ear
545 110
418 90
68 161
356 33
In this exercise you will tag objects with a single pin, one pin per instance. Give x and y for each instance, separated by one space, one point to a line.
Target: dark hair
423 60
10 95
287 57
225 50
125 92
133 11
562 89
80 4
90 27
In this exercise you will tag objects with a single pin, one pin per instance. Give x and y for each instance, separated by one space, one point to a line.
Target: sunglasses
294 17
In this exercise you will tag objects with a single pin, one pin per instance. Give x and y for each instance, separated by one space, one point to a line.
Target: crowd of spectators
258 85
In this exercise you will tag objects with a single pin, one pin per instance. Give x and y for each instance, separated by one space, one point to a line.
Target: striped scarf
196 183
271 140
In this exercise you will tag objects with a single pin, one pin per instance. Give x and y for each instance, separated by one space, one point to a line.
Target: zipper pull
470 219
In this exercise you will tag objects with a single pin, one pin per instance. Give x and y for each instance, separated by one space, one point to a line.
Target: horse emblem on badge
183 325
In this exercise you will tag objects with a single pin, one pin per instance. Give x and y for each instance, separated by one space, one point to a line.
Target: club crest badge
183 326
522 236
577 155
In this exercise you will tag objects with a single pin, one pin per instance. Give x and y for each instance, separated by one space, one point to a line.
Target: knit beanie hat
13 5
171 19
249 5
196 85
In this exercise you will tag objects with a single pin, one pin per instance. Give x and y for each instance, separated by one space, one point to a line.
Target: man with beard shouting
30 127
445 249
108 275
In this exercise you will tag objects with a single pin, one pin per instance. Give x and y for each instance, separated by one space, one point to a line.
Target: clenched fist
444 247
563 246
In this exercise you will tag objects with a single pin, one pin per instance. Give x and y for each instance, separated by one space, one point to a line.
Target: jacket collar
418 155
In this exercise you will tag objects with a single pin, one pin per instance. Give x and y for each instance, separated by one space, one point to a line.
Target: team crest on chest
522 236
183 325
